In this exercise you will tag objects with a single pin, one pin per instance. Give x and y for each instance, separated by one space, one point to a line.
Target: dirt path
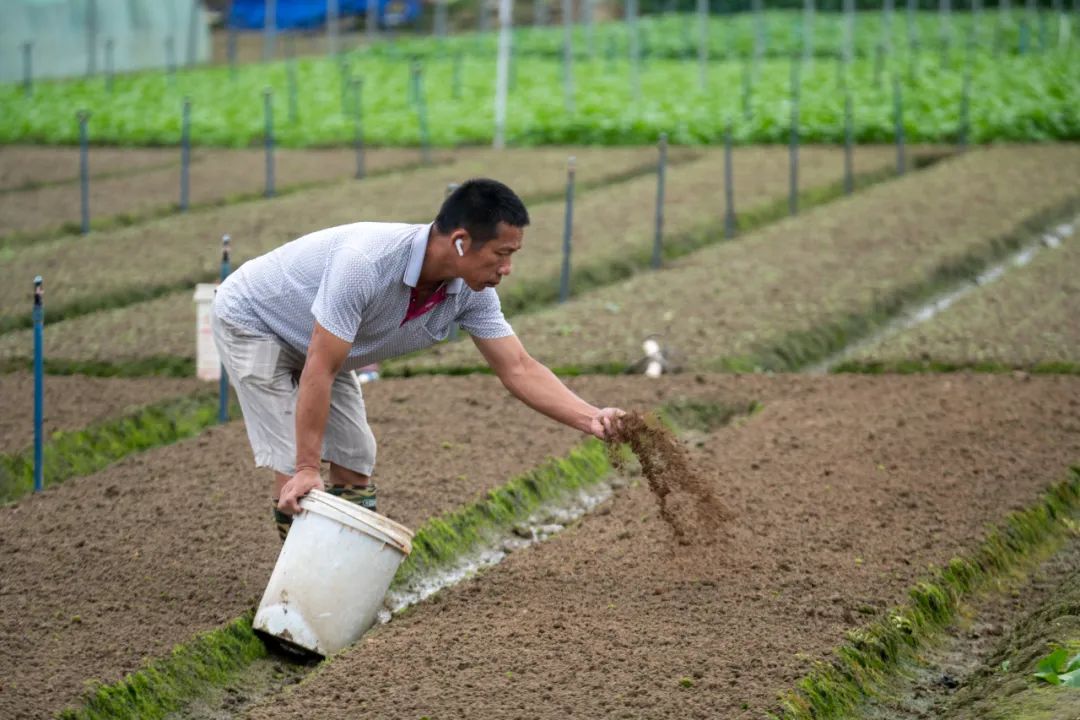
215 176
845 488
74 402
103 571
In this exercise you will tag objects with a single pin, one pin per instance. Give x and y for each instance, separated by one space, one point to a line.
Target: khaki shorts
265 374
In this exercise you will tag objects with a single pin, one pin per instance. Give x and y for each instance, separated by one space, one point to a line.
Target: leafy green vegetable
1058 668
1014 97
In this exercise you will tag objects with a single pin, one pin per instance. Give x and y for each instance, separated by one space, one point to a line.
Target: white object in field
654 366
207 361
333 571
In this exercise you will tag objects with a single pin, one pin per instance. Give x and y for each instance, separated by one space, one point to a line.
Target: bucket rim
399 535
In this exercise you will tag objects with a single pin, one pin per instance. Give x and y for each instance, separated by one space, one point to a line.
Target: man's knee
340 475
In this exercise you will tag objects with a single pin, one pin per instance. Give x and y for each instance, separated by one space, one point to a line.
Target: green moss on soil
212 658
69 454
795 350
911 367
871 653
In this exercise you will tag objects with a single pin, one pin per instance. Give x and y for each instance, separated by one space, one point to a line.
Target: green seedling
1058 668
686 682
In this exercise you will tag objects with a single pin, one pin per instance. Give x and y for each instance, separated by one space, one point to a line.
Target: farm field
842 493
216 176
187 249
194 521
613 226
791 291
25 167
73 402
1025 319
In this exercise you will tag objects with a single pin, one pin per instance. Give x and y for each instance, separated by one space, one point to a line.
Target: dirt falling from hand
686 499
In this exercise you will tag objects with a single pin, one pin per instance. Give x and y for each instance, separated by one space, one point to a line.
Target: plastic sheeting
84 37
298 14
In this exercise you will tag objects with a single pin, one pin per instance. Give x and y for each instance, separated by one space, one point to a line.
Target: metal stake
185 153
358 120
660 173
730 222
39 383
793 151
109 66
84 169
421 111
849 141
898 114
28 69
268 114
223 381
568 231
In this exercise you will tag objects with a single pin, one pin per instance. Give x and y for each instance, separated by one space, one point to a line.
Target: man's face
485 266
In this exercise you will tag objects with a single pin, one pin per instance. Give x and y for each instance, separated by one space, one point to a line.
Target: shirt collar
417 249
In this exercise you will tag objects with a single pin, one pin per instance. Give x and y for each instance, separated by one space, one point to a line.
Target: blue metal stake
358 120
568 231
661 171
170 59
39 382
965 109
421 110
28 68
268 113
223 382
849 141
185 153
793 152
729 189
84 169
898 114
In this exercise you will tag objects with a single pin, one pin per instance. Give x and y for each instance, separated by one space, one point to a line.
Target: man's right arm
325 357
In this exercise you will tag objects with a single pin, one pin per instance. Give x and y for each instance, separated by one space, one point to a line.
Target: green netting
66 38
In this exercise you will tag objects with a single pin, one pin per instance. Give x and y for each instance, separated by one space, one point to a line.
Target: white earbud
460 250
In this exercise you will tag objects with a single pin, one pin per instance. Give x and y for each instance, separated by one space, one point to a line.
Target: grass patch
69 454
873 652
160 366
913 367
164 685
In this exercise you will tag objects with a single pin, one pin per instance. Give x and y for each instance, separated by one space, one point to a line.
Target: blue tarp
296 14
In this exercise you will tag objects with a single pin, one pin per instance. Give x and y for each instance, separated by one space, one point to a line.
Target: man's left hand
606 422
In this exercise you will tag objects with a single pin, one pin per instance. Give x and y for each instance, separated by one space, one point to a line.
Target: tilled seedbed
1027 318
75 402
216 176
843 490
103 571
27 166
173 251
748 303
611 224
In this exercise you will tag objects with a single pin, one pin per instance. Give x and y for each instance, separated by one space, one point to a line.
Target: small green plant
686 682
1058 668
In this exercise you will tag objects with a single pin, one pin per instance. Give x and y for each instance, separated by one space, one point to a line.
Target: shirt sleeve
483 316
343 292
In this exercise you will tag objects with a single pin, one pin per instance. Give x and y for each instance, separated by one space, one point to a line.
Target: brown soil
215 175
24 166
846 488
103 571
694 510
74 402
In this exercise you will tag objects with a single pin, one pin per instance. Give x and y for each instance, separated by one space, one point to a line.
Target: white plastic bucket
207 362
333 571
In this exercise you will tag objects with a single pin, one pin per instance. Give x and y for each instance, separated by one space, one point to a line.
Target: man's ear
461 241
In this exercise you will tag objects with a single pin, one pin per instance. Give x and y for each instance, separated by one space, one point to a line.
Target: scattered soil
24 166
74 402
846 488
100 572
693 511
216 175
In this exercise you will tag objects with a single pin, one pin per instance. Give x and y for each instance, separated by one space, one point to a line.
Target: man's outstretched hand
303 482
606 422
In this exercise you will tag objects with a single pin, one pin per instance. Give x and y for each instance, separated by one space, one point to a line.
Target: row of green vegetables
317 101
776 34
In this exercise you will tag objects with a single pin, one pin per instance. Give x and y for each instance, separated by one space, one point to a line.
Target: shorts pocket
256 358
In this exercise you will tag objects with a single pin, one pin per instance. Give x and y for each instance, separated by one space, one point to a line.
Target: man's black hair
478 205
